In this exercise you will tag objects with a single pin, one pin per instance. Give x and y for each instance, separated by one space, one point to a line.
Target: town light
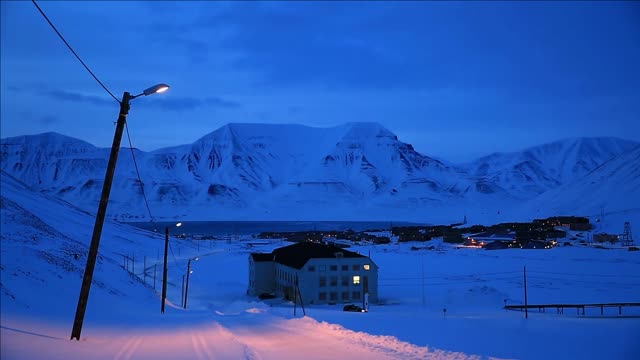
102 209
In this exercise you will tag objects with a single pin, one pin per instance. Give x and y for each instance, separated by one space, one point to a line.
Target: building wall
261 277
285 280
332 280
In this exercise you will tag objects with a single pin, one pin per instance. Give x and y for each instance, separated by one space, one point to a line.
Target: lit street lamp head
156 89
152 90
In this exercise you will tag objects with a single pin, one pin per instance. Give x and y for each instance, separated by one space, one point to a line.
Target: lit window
366 266
356 279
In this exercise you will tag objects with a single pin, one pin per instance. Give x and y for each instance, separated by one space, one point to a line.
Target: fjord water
222 228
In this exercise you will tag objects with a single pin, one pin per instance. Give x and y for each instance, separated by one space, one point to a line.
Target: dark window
312 268
356 295
333 281
323 296
345 267
333 296
355 267
345 295
323 281
345 281
334 267
322 267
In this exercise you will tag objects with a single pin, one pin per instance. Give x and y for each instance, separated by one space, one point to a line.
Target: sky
458 80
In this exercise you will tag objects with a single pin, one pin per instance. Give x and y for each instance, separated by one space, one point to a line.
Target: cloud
420 45
76 97
49 119
192 103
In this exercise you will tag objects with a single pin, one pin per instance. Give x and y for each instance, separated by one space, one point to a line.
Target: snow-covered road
250 336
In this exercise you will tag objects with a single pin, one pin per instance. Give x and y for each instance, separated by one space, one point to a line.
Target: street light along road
186 291
102 207
165 272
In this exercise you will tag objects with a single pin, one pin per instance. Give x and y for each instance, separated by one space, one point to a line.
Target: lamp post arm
102 210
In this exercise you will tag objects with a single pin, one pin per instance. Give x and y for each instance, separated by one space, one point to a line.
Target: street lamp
186 291
165 272
102 207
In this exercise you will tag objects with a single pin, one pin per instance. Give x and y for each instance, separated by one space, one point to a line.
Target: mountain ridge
271 170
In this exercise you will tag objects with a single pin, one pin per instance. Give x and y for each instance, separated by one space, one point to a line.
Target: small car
353 307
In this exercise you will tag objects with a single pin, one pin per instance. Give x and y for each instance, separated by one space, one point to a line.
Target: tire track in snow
126 352
198 348
250 353
205 347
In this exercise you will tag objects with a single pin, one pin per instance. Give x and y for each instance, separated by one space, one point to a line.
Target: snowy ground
41 278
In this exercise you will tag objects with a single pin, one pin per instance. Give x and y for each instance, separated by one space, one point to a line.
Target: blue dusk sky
458 80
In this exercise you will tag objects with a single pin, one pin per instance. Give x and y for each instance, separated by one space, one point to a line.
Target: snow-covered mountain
289 172
611 188
538 169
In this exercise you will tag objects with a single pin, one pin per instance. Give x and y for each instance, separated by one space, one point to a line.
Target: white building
325 273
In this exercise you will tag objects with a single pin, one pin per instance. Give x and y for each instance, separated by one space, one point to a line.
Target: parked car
353 307
266 296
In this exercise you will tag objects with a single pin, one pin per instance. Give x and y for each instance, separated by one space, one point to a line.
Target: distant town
537 234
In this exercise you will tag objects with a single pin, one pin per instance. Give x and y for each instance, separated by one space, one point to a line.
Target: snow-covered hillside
440 304
357 171
44 248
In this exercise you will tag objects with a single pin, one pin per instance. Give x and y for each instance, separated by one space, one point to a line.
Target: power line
574 274
478 282
73 51
454 277
135 164
537 278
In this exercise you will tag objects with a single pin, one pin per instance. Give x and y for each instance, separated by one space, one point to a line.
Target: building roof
262 257
494 235
298 254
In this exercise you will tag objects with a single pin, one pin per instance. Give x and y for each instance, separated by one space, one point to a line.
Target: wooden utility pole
182 298
186 289
298 295
526 308
87 279
166 270
422 261
154 275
